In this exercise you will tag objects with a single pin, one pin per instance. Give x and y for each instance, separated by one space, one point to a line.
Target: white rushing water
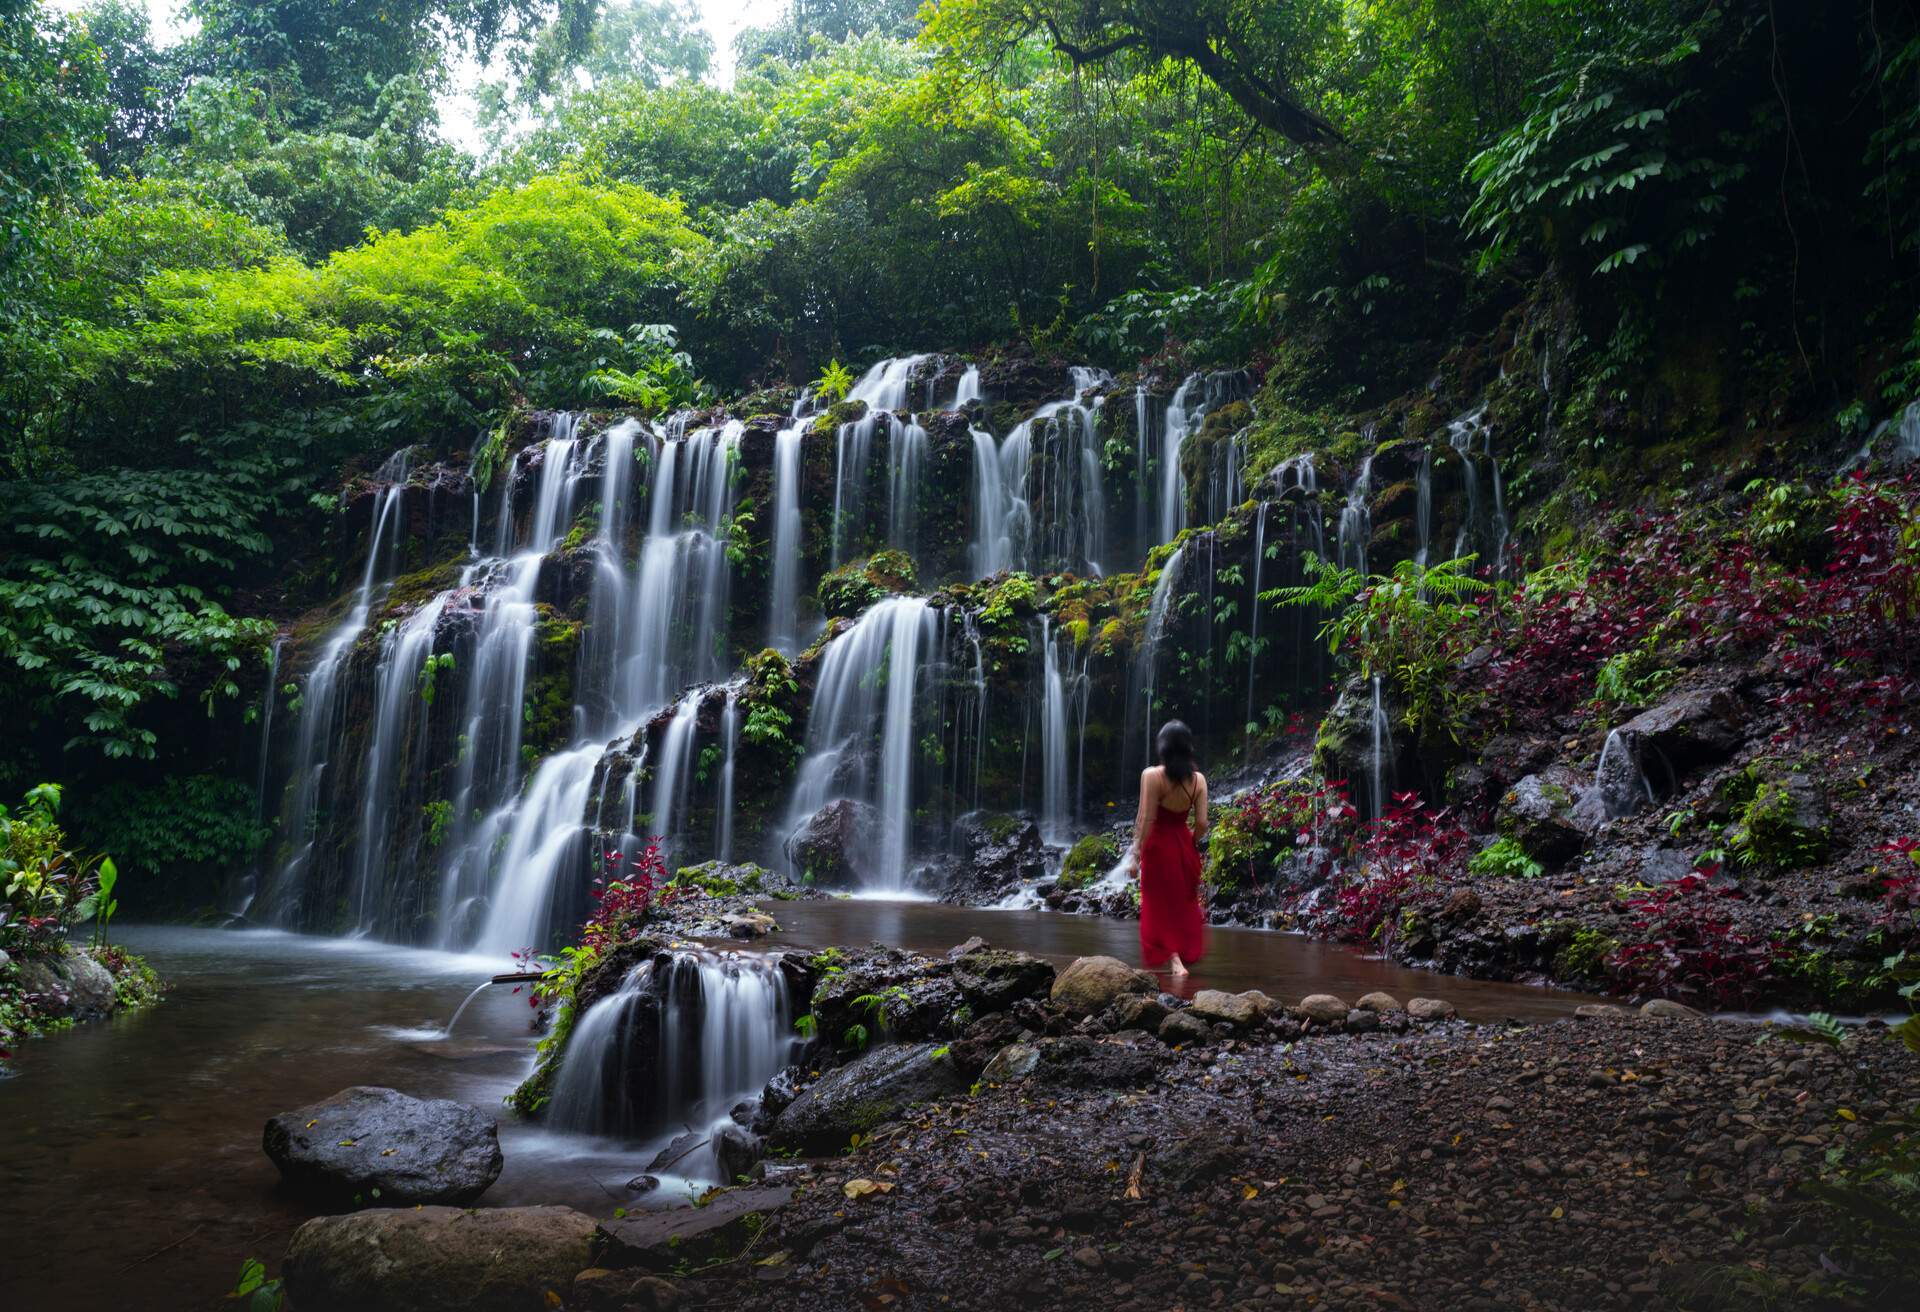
860 733
683 1040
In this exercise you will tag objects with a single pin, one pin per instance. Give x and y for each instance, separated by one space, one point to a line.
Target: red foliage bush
621 902
1405 859
1691 945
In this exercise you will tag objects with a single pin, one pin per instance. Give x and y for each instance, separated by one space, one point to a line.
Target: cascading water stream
1356 520
730 747
860 733
783 601
686 1038
322 709
1381 765
1147 660
1488 523
1066 688
1039 499
1423 510
1253 625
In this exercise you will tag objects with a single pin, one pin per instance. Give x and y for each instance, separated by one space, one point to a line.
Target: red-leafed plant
1406 859
624 895
1690 944
1900 895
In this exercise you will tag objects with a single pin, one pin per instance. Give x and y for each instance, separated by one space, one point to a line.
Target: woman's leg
1178 968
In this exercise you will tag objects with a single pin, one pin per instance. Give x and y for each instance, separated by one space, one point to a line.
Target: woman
1173 813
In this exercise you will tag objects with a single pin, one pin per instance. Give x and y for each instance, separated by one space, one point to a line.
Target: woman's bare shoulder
1200 781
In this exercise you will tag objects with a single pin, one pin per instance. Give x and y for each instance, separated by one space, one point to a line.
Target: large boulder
837 845
377 1146
1690 729
1543 815
993 979
662 1240
1091 984
439 1259
993 855
863 1094
70 983
1212 1006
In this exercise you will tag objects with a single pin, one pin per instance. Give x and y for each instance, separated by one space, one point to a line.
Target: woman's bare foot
1178 968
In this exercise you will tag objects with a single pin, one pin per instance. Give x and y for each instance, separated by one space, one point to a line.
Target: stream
149 1124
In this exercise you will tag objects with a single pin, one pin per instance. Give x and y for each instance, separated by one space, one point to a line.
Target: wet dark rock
908 996
1082 1062
379 1146
1541 813
735 1150
836 846
1690 729
862 1094
439 1259
993 979
993 855
1184 1027
70 984
1137 1011
663 1241
1212 1005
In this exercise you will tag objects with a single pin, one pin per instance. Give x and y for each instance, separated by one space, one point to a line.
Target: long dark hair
1174 746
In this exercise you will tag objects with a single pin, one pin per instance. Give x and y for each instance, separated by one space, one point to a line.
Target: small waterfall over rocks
683 1041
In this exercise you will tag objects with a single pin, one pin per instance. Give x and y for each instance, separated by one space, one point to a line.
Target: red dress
1170 917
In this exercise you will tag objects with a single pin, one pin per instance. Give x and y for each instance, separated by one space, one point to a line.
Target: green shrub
1504 858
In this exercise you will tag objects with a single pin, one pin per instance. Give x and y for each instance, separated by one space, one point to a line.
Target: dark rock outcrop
381 1147
835 847
865 1093
439 1259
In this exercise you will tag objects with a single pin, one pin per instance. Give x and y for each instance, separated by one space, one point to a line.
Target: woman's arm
1200 821
1143 813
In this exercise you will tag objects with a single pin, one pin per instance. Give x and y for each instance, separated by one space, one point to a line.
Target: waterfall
884 386
1381 767
1488 523
1146 662
397 692
996 517
783 603
1253 624
969 389
1198 394
670 774
1356 520
322 709
866 688
683 1040
729 745
543 830
1040 501
906 460
1143 521
1064 697
1621 781
1423 509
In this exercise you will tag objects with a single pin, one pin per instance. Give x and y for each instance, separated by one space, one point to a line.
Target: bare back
1187 797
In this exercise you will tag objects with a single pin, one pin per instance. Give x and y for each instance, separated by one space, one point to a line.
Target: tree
1260 52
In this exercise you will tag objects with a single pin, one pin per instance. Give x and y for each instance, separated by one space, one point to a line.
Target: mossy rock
1787 824
723 878
858 584
1088 860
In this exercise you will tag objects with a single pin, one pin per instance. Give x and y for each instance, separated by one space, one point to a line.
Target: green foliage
255 1292
430 669
651 375
437 818
1411 626
1584 955
45 888
833 384
1610 127
771 699
180 821
1505 859
858 584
